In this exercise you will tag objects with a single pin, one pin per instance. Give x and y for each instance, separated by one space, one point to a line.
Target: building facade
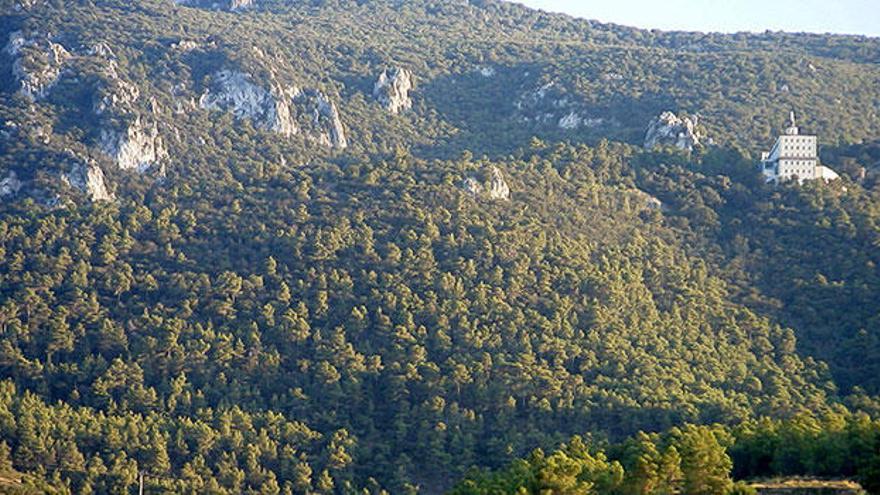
794 157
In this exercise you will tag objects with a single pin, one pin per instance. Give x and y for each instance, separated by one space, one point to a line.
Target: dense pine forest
339 246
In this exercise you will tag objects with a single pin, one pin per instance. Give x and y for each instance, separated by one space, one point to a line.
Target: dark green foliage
836 445
275 317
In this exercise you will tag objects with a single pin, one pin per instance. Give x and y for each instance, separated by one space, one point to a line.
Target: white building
794 157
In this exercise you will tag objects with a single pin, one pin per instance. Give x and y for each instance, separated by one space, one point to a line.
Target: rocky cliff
37 63
495 188
668 129
392 90
270 106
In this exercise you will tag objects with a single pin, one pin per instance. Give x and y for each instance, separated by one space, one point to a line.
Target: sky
814 16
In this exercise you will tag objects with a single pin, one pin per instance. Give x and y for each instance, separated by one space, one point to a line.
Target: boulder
392 90
669 129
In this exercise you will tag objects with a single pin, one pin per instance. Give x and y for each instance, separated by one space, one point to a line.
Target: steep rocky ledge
87 177
496 189
136 144
668 129
268 109
284 110
37 63
392 89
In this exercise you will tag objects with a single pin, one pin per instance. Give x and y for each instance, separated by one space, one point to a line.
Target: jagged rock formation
37 63
233 91
134 147
128 137
9 184
87 177
392 90
287 111
497 188
230 5
136 144
671 130
322 118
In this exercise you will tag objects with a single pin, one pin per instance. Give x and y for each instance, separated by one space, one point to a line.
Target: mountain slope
228 263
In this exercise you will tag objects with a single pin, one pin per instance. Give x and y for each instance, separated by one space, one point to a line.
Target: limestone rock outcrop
498 188
392 89
9 184
669 129
234 91
495 189
134 147
285 110
37 63
322 122
87 177
129 136
229 5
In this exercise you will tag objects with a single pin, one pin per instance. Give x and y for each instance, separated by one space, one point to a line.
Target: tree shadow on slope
497 110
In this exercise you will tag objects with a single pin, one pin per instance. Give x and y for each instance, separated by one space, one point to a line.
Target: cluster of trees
272 318
697 460
805 255
438 330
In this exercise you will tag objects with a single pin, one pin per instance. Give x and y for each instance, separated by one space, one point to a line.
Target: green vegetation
275 317
698 460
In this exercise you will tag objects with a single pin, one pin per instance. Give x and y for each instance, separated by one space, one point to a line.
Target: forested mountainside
337 246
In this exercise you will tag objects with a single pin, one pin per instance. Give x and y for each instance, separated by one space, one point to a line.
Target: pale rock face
9 184
231 5
88 177
497 188
286 111
37 64
671 130
136 147
473 187
323 123
233 91
392 90
116 93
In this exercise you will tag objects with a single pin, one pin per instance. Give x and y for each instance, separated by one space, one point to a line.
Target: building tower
794 157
